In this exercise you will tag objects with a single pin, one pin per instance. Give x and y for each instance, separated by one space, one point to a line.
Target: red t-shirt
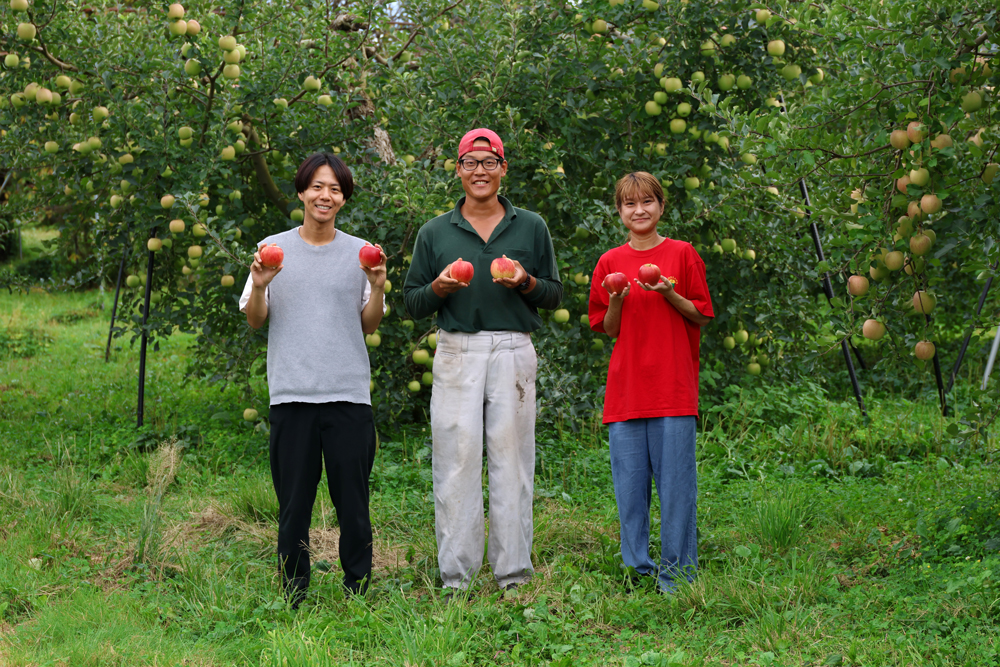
654 365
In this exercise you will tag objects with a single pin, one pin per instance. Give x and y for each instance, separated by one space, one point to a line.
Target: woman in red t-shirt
651 398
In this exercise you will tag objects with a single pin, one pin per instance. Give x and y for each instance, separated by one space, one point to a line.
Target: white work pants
485 379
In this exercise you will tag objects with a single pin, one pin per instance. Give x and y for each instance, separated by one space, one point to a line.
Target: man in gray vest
320 303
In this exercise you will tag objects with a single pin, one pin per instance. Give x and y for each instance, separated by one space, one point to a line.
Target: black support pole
845 345
142 349
114 306
937 377
968 337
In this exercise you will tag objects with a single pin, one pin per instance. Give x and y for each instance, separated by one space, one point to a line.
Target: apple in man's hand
501 267
370 256
649 274
271 256
616 283
462 271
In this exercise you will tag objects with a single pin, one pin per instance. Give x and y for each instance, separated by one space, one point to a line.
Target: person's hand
663 287
615 295
262 275
520 275
376 274
444 284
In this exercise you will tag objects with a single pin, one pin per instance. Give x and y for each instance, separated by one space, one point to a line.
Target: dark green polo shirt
483 305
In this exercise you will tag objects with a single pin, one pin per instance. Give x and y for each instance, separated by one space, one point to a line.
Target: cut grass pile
824 541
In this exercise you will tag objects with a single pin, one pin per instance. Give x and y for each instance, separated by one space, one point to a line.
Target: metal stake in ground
968 336
845 344
937 376
827 285
992 359
142 348
114 306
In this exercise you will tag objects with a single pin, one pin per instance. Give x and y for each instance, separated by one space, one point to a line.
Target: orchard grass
126 547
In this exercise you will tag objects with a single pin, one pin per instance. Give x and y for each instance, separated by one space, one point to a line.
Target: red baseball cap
465 145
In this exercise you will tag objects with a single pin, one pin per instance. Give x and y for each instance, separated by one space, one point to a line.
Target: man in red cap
484 366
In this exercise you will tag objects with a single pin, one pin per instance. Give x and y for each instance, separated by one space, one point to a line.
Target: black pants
303 437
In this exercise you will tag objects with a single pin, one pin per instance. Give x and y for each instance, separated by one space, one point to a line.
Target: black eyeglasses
489 164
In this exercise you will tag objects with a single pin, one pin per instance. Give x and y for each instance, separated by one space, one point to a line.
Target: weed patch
156 546
22 343
964 529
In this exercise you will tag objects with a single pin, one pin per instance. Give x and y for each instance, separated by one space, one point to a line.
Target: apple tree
175 130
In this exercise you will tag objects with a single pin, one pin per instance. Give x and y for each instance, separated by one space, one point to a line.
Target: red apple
916 131
920 244
616 283
501 267
370 256
271 256
857 285
899 139
924 350
462 271
930 204
873 329
649 274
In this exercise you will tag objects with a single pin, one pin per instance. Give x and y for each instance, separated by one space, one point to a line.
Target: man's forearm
544 293
422 301
256 309
371 316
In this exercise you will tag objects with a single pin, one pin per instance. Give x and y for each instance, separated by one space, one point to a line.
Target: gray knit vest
315 347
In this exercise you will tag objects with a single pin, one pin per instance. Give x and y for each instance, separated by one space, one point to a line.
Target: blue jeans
660 448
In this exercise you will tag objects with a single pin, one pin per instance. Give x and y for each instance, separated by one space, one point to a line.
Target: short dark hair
636 184
304 176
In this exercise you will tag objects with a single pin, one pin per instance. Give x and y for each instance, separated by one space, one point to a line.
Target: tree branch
66 67
884 88
419 28
262 172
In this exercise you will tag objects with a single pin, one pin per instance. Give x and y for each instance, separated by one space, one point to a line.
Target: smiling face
481 184
323 197
640 213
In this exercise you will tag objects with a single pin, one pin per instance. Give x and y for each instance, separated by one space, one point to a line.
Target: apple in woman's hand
649 274
616 283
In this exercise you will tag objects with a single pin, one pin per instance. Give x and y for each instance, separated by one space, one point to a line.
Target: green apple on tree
26 31
671 84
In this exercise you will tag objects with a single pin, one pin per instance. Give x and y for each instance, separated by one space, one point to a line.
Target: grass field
824 541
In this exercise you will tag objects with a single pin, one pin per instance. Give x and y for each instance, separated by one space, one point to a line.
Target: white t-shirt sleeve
368 297
245 297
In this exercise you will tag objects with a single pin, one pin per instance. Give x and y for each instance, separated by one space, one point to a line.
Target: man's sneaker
510 591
